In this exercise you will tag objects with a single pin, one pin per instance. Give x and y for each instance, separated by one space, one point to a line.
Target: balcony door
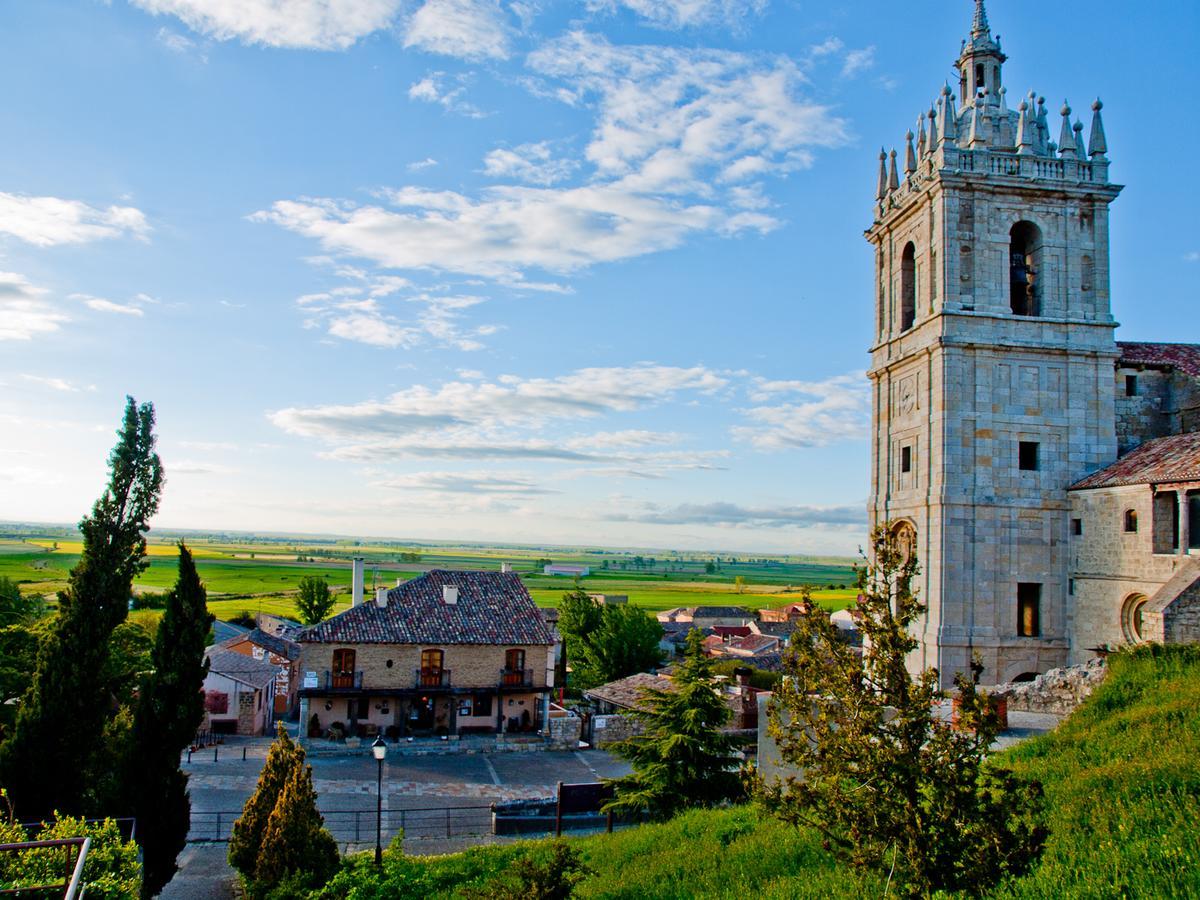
514 667
343 668
431 668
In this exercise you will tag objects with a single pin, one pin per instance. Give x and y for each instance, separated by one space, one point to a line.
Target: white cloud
508 400
55 384
428 163
1192 256
174 41
672 122
449 93
734 515
23 311
686 13
608 440
835 409
501 483
858 61
668 114
50 221
308 24
99 304
529 163
467 29
197 467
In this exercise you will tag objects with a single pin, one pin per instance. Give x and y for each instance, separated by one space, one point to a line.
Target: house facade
445 654
280 652
239 693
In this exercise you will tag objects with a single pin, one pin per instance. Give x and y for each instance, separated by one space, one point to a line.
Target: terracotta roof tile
627 692
492 608
1184 357
1160 461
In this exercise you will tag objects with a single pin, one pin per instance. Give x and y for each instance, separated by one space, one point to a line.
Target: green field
260 576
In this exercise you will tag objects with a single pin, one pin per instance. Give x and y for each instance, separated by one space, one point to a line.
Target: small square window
906 459
1029 603
1077 526
1027 455
1130 385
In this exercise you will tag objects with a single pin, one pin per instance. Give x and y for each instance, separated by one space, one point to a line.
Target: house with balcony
444 654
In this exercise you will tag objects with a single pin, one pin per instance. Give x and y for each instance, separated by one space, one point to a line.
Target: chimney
505 568
381 598
450 594
356 586
399 581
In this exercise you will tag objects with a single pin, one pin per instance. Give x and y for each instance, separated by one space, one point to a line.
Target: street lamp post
379 750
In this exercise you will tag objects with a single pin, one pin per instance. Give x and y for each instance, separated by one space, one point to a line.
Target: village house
445 654
280 652
707 616
239 693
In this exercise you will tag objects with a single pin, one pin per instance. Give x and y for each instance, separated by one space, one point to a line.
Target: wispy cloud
447 91
24 311
529 163
685 13
467 29
857 61
307 24
816 413
496 483
50 221
428 163
99 304
56 384
735 515
1192 256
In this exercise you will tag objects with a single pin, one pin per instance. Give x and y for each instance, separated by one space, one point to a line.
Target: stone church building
1047 475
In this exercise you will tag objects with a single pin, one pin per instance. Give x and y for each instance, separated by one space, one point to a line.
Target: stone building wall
248 716
1165 401
1112 567
470 665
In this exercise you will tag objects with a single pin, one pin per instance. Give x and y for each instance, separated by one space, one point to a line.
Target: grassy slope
1122 779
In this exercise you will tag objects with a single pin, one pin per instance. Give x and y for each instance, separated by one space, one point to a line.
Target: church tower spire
979 63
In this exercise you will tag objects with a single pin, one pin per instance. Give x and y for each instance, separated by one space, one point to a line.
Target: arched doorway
908 287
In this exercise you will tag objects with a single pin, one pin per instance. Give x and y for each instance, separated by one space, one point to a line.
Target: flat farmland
256 577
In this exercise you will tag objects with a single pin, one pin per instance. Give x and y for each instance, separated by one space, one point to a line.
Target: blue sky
532 271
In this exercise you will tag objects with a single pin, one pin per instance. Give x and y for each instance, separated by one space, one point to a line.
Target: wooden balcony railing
343 681
516 677
432 678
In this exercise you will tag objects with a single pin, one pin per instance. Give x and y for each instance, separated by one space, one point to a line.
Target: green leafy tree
295 845
886 783
47 760
315 602
111 870
604 643
682 758
169 710
16 609
249 828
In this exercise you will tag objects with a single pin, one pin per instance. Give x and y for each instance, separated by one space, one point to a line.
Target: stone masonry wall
470 665
1059 691
247 714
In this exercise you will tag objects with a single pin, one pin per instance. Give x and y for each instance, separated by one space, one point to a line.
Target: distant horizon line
436 542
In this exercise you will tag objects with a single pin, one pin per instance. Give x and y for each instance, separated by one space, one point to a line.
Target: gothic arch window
1131 523
908 287
1132 618
1088 274
1025 269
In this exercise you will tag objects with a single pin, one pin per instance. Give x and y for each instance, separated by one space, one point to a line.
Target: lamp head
379 749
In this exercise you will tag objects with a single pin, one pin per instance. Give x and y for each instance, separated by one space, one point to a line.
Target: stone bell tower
992 364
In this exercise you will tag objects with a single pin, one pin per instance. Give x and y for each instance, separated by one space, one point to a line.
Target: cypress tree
249 828
295 842
47 762
170 709
681 758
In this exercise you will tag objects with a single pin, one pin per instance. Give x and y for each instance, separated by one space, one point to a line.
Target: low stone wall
612 728
564 732
1059 691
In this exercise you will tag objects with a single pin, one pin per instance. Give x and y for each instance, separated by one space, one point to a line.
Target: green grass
1122 781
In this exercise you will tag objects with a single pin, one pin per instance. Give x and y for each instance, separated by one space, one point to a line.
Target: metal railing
357 826
431 678
516 677
72 884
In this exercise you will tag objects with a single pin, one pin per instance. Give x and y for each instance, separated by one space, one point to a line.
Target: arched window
908 287
1131 521
1087 276
1025 258
1131 618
